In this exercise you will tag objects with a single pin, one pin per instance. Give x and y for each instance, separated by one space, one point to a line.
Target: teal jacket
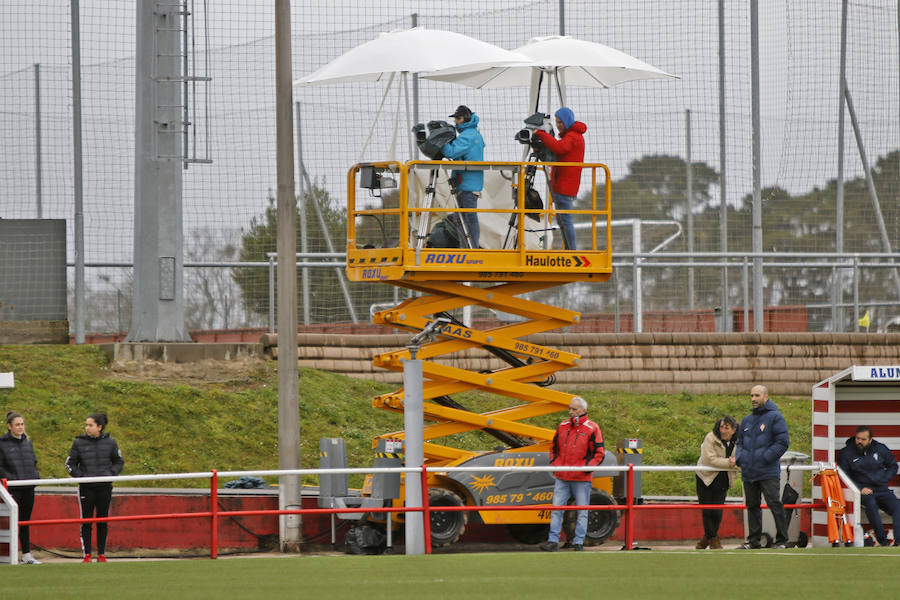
468 145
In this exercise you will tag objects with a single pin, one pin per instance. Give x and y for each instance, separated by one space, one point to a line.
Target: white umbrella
415 50
404 51
566 59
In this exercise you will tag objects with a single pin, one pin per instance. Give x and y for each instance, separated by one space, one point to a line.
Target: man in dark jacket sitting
871 465
762 440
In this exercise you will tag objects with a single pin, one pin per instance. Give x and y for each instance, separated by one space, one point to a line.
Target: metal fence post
214 515
855 293
426 511
271 294
629 508
745 283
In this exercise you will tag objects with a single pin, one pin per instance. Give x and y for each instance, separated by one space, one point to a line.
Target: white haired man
578 443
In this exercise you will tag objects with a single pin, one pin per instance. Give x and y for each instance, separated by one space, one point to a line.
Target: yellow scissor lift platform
408 200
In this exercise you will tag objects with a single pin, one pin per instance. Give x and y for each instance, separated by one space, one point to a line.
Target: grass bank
229 422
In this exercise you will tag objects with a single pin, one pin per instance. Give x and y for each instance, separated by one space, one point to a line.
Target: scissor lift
444 280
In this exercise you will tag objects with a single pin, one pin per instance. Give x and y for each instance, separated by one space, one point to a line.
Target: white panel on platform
7 380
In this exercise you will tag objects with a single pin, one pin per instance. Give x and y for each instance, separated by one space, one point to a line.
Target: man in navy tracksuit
871 465
762 440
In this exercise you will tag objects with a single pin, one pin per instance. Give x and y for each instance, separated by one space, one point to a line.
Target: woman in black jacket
17 461
94 454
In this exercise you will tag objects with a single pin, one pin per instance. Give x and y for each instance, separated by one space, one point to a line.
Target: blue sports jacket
468 145
762 440
874 467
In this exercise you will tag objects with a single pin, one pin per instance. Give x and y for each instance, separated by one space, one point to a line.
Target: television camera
432 137
527 135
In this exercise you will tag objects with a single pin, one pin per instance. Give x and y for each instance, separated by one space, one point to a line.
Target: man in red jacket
578 443
565 181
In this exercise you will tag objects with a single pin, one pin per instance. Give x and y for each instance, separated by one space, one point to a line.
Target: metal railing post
214 515
271 294
629 508
426 511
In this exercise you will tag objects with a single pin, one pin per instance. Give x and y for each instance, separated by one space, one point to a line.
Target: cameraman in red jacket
565 181
578 443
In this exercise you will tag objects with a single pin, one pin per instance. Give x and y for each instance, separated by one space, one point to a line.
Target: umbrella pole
409 145
365 146
560 91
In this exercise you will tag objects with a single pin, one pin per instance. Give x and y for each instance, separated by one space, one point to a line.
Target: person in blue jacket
468 145
871 465
762 440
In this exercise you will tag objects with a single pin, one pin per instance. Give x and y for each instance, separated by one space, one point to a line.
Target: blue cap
566 115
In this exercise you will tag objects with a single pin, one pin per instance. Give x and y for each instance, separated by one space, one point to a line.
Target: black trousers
768 488
714 493
95 499
24 497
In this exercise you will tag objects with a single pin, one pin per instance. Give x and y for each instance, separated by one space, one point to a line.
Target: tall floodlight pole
288 389
758 316
723 189
158 305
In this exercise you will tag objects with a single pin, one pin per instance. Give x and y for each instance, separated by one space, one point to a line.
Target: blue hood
473 122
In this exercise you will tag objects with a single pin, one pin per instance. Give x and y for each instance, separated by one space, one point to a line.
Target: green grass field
808 573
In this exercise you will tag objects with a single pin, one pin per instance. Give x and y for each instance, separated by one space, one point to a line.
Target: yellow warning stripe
387 455
372 260
629 450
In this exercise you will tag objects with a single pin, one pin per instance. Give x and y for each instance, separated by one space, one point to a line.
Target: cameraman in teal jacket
468 145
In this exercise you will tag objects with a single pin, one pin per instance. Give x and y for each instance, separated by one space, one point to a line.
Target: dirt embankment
244 371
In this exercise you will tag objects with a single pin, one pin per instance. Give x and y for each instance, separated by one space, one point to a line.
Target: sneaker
748 546
549 546
577 547
779 547
86 559
101 558
28 559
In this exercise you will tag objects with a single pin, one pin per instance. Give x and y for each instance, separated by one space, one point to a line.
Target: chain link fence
640 129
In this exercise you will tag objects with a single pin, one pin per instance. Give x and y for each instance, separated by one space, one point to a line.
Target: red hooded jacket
578 442
568 148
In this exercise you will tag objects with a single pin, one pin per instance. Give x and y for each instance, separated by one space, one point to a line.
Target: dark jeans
768 488
470 200
885 500
24 497
714 493
94 498
566 226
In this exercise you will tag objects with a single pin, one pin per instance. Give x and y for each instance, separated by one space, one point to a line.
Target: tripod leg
424 221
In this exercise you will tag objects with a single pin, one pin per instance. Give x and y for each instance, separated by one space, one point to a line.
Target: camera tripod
510 240
424 224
